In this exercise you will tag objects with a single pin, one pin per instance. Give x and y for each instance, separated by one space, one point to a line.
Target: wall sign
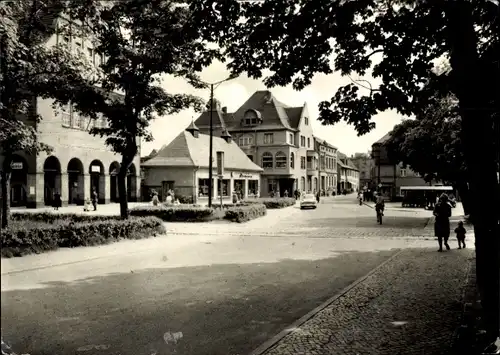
248 176
16 166
95 169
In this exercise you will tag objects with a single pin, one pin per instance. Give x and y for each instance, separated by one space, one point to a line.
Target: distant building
327 166
182 166
348 174
389 177
365 164
275 136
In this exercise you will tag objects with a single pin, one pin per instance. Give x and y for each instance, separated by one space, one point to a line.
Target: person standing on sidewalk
442 212
94 199
461 231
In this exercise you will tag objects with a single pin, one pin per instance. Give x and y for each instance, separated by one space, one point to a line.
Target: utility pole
211 155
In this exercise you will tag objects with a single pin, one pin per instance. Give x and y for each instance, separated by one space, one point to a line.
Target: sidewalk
410 305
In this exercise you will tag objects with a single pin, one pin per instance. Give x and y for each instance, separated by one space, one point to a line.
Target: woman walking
442 212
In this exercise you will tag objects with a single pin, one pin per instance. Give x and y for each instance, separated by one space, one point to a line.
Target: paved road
223 289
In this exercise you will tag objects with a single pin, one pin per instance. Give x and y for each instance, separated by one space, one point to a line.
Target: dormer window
252 118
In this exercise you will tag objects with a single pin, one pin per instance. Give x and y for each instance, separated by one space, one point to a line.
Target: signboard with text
16 165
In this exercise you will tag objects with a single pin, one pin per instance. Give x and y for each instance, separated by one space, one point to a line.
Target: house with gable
277 137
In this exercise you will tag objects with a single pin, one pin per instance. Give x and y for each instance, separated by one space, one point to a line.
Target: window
66 115
272 185
310 163
308 142
253 187
245 141
302 183
250 157
402 172
291 138
302 162
323 162
302 141
225 187
281 160
292 160
267 160
203 187
306 120
77 120
268 138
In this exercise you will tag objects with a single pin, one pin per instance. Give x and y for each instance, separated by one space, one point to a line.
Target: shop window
203 185
253 187
225 187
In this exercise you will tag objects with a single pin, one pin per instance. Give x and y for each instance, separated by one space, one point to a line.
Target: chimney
193 130
224 110
226 136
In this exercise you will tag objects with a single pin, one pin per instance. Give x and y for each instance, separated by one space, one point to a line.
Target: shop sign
95 169
247 176
16 166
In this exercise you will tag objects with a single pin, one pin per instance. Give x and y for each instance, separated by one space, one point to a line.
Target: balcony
313 154
312 169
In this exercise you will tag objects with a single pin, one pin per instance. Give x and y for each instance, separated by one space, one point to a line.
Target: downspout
195 194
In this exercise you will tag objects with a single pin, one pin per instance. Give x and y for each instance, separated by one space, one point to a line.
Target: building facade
182 166
79 162
365 165
348 174
277 137
327 166
388 176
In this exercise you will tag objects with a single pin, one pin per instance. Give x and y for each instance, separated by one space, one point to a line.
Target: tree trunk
463 191
5 177
122 186
480 156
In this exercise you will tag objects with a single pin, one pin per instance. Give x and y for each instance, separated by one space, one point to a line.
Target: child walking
460 231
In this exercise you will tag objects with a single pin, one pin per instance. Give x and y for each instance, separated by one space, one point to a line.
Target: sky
234 93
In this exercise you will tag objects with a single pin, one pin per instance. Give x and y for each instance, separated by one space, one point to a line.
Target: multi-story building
365 164
348 174
78 163
277 137
327 166
388 176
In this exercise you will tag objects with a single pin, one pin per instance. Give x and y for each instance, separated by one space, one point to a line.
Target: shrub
35 236
178 213
48 217
274 203
245 213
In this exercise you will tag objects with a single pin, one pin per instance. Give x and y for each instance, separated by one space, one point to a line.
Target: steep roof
324 142
186 150
341 155
384 138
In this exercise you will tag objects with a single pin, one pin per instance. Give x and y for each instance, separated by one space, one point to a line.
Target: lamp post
211 157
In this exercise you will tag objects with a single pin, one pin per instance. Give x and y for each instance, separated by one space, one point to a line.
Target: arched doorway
18 180
76 182
52 179
132 183
114 168
96 171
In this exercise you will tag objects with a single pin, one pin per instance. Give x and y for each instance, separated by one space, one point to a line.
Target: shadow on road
219 309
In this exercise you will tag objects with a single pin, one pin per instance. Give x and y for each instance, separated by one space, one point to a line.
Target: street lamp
211 158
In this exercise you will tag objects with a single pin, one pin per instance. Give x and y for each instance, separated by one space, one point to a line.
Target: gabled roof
323 142
187 151
341 156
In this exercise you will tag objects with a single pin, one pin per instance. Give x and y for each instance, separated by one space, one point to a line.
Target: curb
277 338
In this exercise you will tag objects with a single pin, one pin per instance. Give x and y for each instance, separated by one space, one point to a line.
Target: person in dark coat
94 199
442 212
57 201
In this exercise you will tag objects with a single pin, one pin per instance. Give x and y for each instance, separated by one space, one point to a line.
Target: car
309 201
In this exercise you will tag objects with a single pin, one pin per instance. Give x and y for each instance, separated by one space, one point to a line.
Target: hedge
273 203
30 236
49 217
192 213
245 213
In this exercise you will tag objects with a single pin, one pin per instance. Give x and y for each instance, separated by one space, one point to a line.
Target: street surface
217 288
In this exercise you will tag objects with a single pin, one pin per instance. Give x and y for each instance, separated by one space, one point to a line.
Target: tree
431 145
27 69
141 41
398 42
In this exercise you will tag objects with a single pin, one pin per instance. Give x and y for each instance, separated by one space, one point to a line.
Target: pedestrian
169 200
155 199
442 212
87 205
460 231
317 197
94 199
57 201
285 193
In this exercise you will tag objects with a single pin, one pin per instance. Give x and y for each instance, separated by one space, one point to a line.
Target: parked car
309 201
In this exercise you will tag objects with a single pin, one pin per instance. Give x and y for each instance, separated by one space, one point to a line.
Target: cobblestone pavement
411 305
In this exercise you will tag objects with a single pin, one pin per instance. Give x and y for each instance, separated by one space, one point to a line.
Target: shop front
244 184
